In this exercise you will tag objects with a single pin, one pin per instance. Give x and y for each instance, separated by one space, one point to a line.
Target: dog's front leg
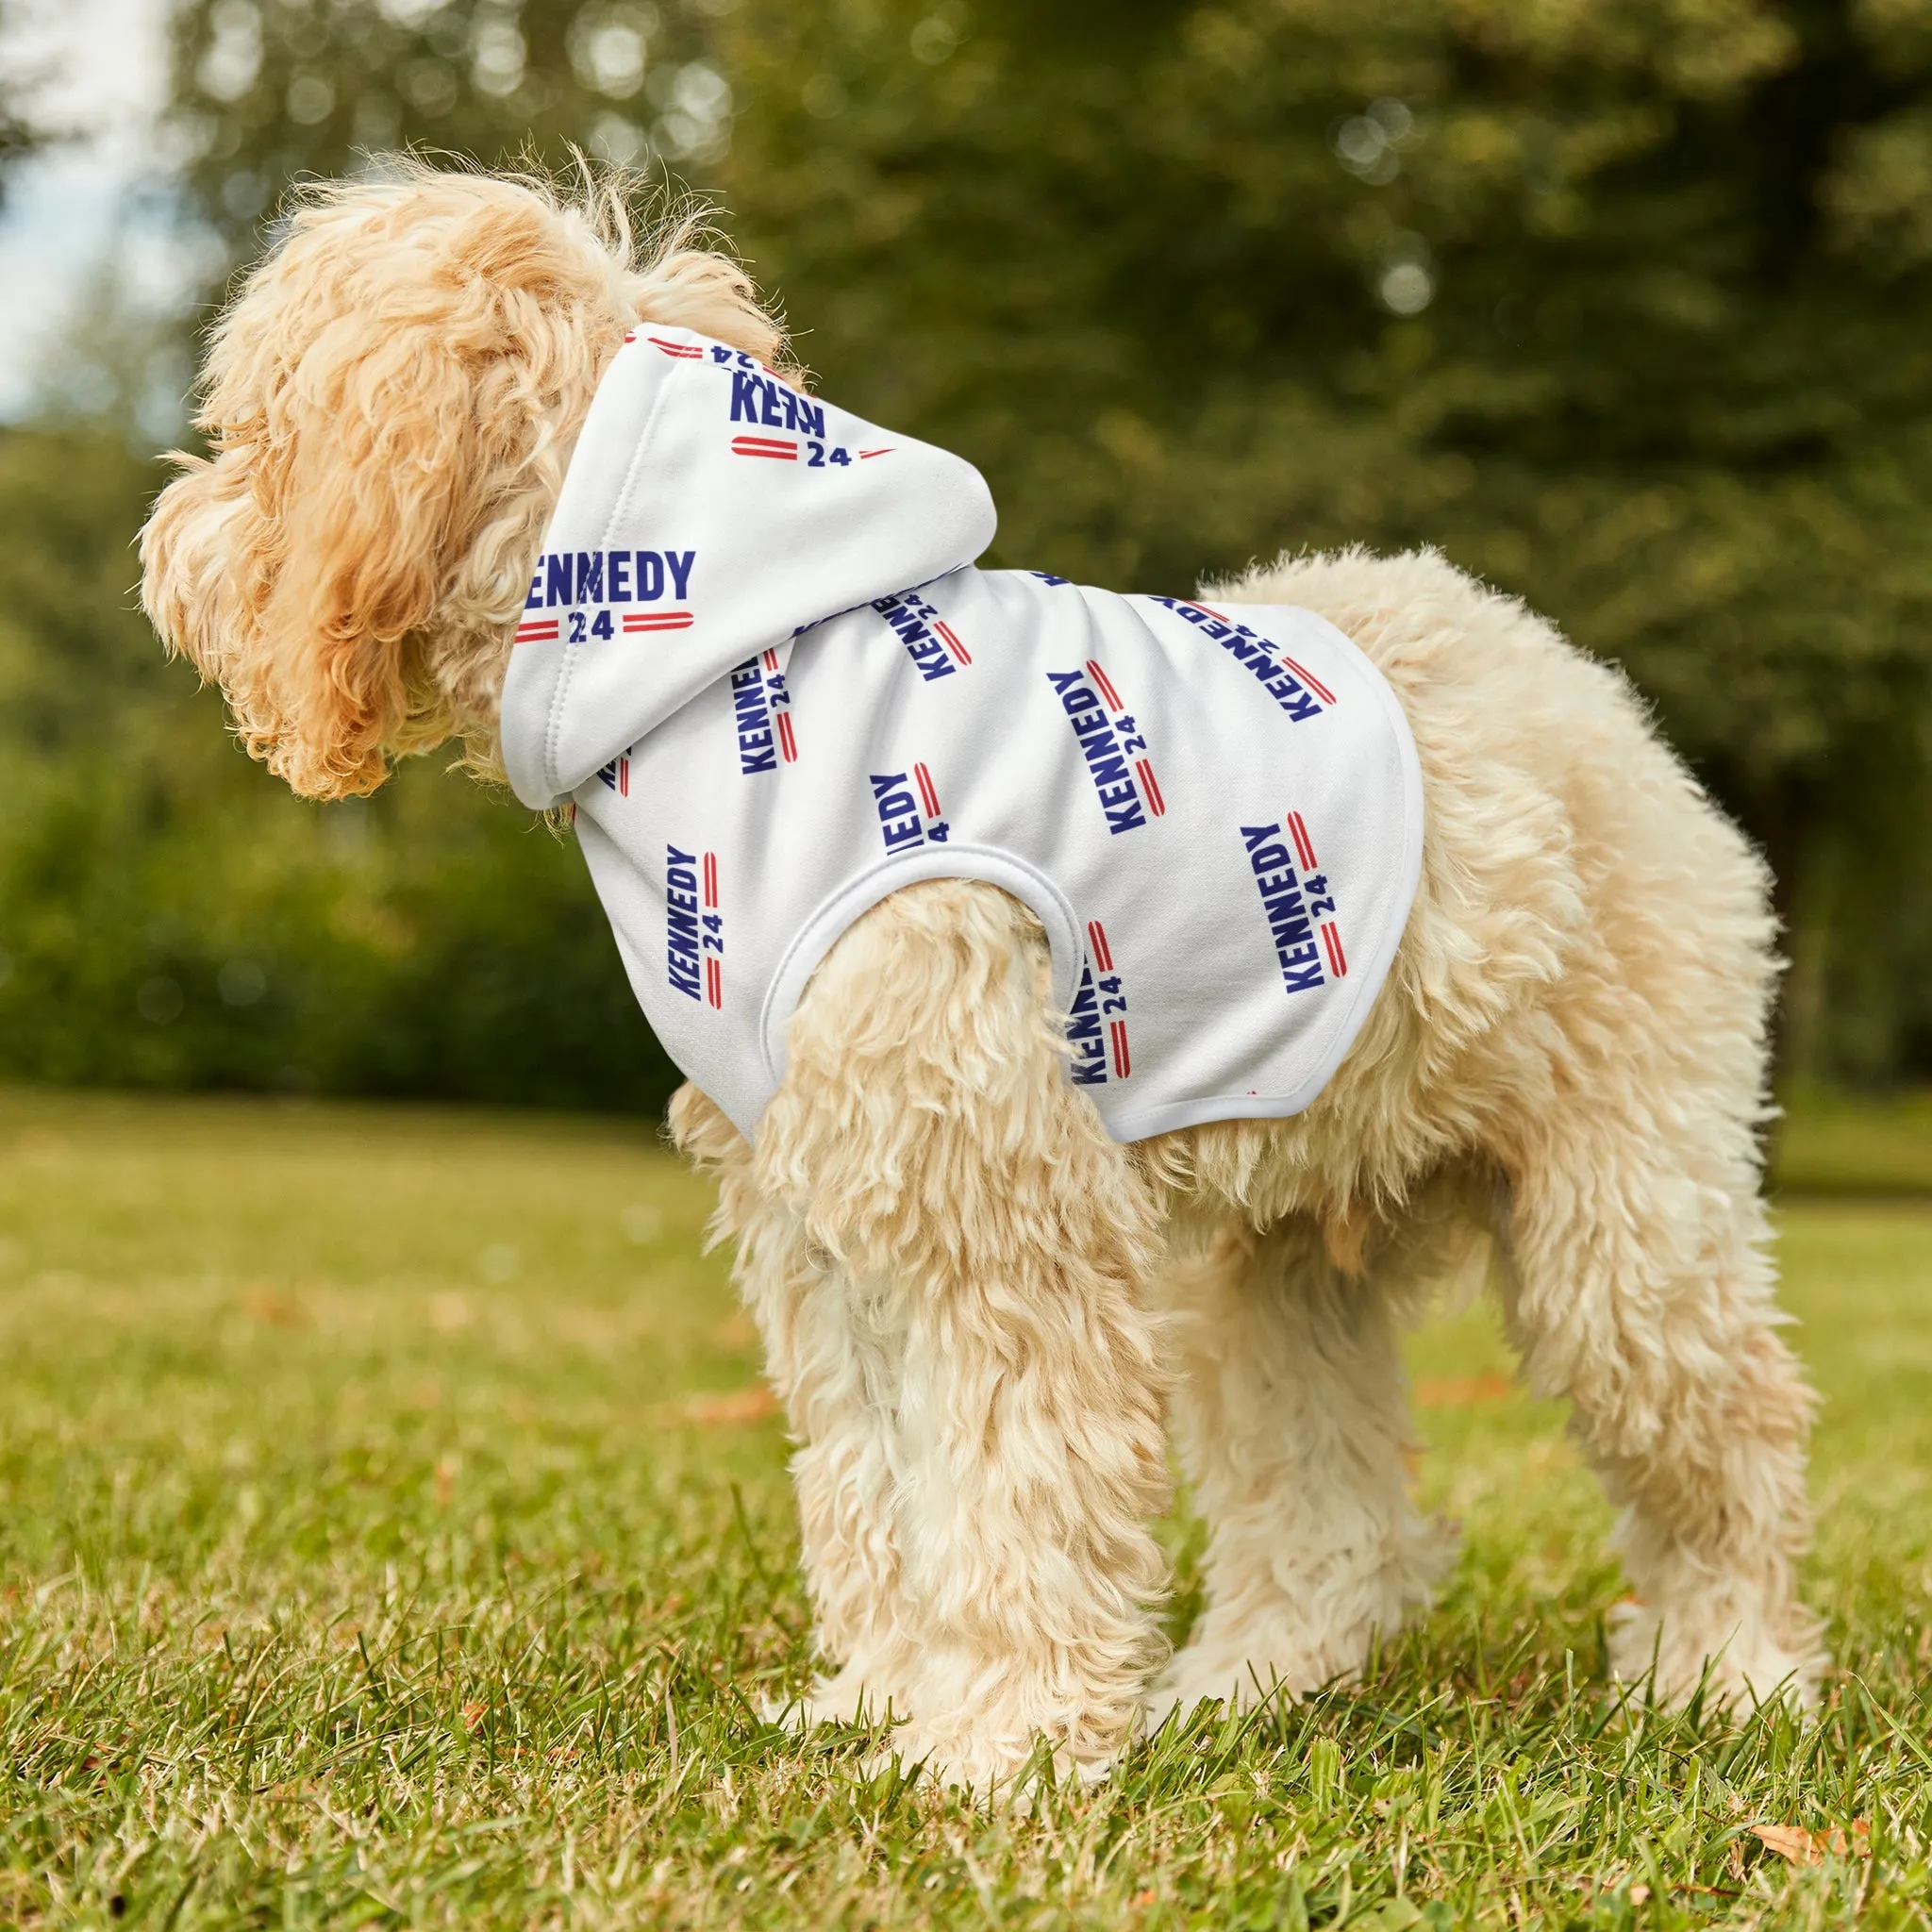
834 1371
989 1244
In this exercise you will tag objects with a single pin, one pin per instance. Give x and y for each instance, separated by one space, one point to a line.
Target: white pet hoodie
757 658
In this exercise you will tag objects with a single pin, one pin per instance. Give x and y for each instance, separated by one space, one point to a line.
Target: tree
1625 304
268 91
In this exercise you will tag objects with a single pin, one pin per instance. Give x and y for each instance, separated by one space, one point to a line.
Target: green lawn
379 1544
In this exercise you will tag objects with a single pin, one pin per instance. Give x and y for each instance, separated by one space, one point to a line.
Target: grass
386 1538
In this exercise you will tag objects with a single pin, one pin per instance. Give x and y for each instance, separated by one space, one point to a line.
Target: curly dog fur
980 1313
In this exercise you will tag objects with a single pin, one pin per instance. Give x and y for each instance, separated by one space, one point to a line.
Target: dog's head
391 401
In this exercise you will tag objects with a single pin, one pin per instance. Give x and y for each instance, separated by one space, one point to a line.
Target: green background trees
1625 304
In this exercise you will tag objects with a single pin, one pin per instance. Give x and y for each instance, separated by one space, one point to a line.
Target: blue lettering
650 576
681 937
1087 1061
557 579
680 562
744 396
589 576
1302 979
620 577
1252 649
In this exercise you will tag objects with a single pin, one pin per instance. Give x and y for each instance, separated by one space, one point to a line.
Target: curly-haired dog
979 1306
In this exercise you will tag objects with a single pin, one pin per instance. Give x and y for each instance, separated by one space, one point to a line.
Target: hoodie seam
553 727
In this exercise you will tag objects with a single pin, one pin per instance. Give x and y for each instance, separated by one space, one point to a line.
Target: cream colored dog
978 1309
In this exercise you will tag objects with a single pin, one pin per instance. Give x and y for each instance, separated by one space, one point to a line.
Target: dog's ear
381 400
293 571
392 401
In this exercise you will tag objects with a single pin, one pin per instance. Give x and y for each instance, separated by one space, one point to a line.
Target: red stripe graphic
1117 1032
1304 846
537 633
714 981
623 777
1104 686
690 350
952 644
771 661
1207 612
658 619
886 452
1308 678
1096 941
764 446
787 743
1331 942
928 797
711 878
1145 772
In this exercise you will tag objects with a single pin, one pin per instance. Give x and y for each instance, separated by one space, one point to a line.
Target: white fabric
1216 814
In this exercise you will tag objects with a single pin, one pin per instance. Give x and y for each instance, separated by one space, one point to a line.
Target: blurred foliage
1625 304
170 916
19 137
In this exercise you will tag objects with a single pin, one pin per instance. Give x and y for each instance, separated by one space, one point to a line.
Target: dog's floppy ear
392 401
293 568
385 386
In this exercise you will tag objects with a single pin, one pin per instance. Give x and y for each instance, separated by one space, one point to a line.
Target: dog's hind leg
992 1244
1643 1292
1292 1421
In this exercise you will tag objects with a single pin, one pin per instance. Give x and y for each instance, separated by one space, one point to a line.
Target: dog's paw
991 1770
1198 1675
1739 1663
851 1697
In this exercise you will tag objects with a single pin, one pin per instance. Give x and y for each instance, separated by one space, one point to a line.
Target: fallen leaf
1462 1391
473 1715
266 1305
724 1411
1803 1847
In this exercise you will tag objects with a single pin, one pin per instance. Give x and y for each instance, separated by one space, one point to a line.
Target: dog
981 1311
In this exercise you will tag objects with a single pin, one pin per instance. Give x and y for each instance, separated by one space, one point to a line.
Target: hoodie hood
711 512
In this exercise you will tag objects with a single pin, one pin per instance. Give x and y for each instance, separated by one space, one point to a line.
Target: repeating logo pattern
693 926
907 821
1097 1026
762 712
586 584
579 595
1298 906
760 399
930 642
1109 737
1295 688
